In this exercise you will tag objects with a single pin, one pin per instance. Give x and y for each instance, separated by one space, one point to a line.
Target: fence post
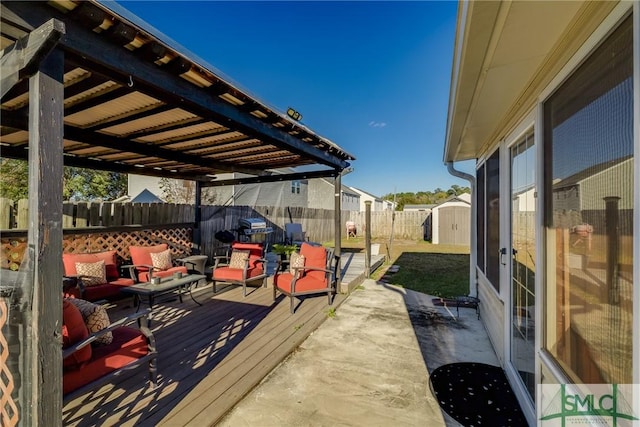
82 215
67 214
23 214
367 238
6 206
94 214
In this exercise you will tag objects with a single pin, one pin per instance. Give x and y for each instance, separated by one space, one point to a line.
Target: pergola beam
22 58
273 178
127 145
122 65
110 166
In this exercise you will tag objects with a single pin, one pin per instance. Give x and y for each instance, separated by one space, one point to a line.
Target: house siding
321 195
582 201
492 314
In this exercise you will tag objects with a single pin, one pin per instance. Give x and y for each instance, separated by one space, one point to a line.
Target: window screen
588 182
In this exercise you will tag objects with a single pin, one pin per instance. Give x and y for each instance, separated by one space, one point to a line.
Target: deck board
209 356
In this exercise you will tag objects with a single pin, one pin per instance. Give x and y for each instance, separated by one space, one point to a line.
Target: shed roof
137 102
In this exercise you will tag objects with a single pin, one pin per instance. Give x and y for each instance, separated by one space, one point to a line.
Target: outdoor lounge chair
294 234
245 264
152 261
316 275
89 361
105 281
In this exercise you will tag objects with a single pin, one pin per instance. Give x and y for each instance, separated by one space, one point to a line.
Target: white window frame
599 35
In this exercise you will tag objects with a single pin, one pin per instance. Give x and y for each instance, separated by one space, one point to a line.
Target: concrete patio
368 365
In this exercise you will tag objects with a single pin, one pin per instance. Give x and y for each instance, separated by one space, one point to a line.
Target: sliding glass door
523 244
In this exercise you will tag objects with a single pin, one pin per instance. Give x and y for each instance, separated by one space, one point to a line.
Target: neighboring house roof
588 173
465 196
357 190
146 196
343 188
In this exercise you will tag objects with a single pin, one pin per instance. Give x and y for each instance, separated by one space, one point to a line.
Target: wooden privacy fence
318 223
94 226
99 214
408 225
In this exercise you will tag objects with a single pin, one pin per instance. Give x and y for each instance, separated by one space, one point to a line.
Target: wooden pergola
89 85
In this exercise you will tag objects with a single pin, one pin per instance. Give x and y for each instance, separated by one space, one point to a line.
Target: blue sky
371 76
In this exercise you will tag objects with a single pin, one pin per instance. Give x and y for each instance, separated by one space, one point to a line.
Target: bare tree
182 191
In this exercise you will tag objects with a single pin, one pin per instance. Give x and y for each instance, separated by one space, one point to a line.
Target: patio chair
244 264
152 261
93 276
294 234
314 273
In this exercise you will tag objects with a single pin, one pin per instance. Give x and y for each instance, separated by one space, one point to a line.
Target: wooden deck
209 356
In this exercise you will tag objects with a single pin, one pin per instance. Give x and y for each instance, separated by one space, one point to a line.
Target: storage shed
450 221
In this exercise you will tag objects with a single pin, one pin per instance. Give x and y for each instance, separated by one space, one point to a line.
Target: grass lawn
439 270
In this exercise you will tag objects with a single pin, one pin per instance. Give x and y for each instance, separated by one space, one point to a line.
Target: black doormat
475 394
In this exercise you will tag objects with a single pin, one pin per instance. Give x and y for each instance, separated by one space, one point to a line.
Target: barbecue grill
252 226
247 228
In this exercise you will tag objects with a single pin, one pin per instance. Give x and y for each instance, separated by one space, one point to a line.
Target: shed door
454 223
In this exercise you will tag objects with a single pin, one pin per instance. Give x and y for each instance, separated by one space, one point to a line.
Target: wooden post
197 218
338 226
613 244
46 108
82 215
68 214
367 238
6 206
118 214
23 214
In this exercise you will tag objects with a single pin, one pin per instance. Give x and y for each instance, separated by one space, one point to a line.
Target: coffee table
148 291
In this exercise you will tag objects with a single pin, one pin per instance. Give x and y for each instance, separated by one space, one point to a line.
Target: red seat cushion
107 291
73 331
235 274
307 283
128 345
140 255
316 257
109 258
